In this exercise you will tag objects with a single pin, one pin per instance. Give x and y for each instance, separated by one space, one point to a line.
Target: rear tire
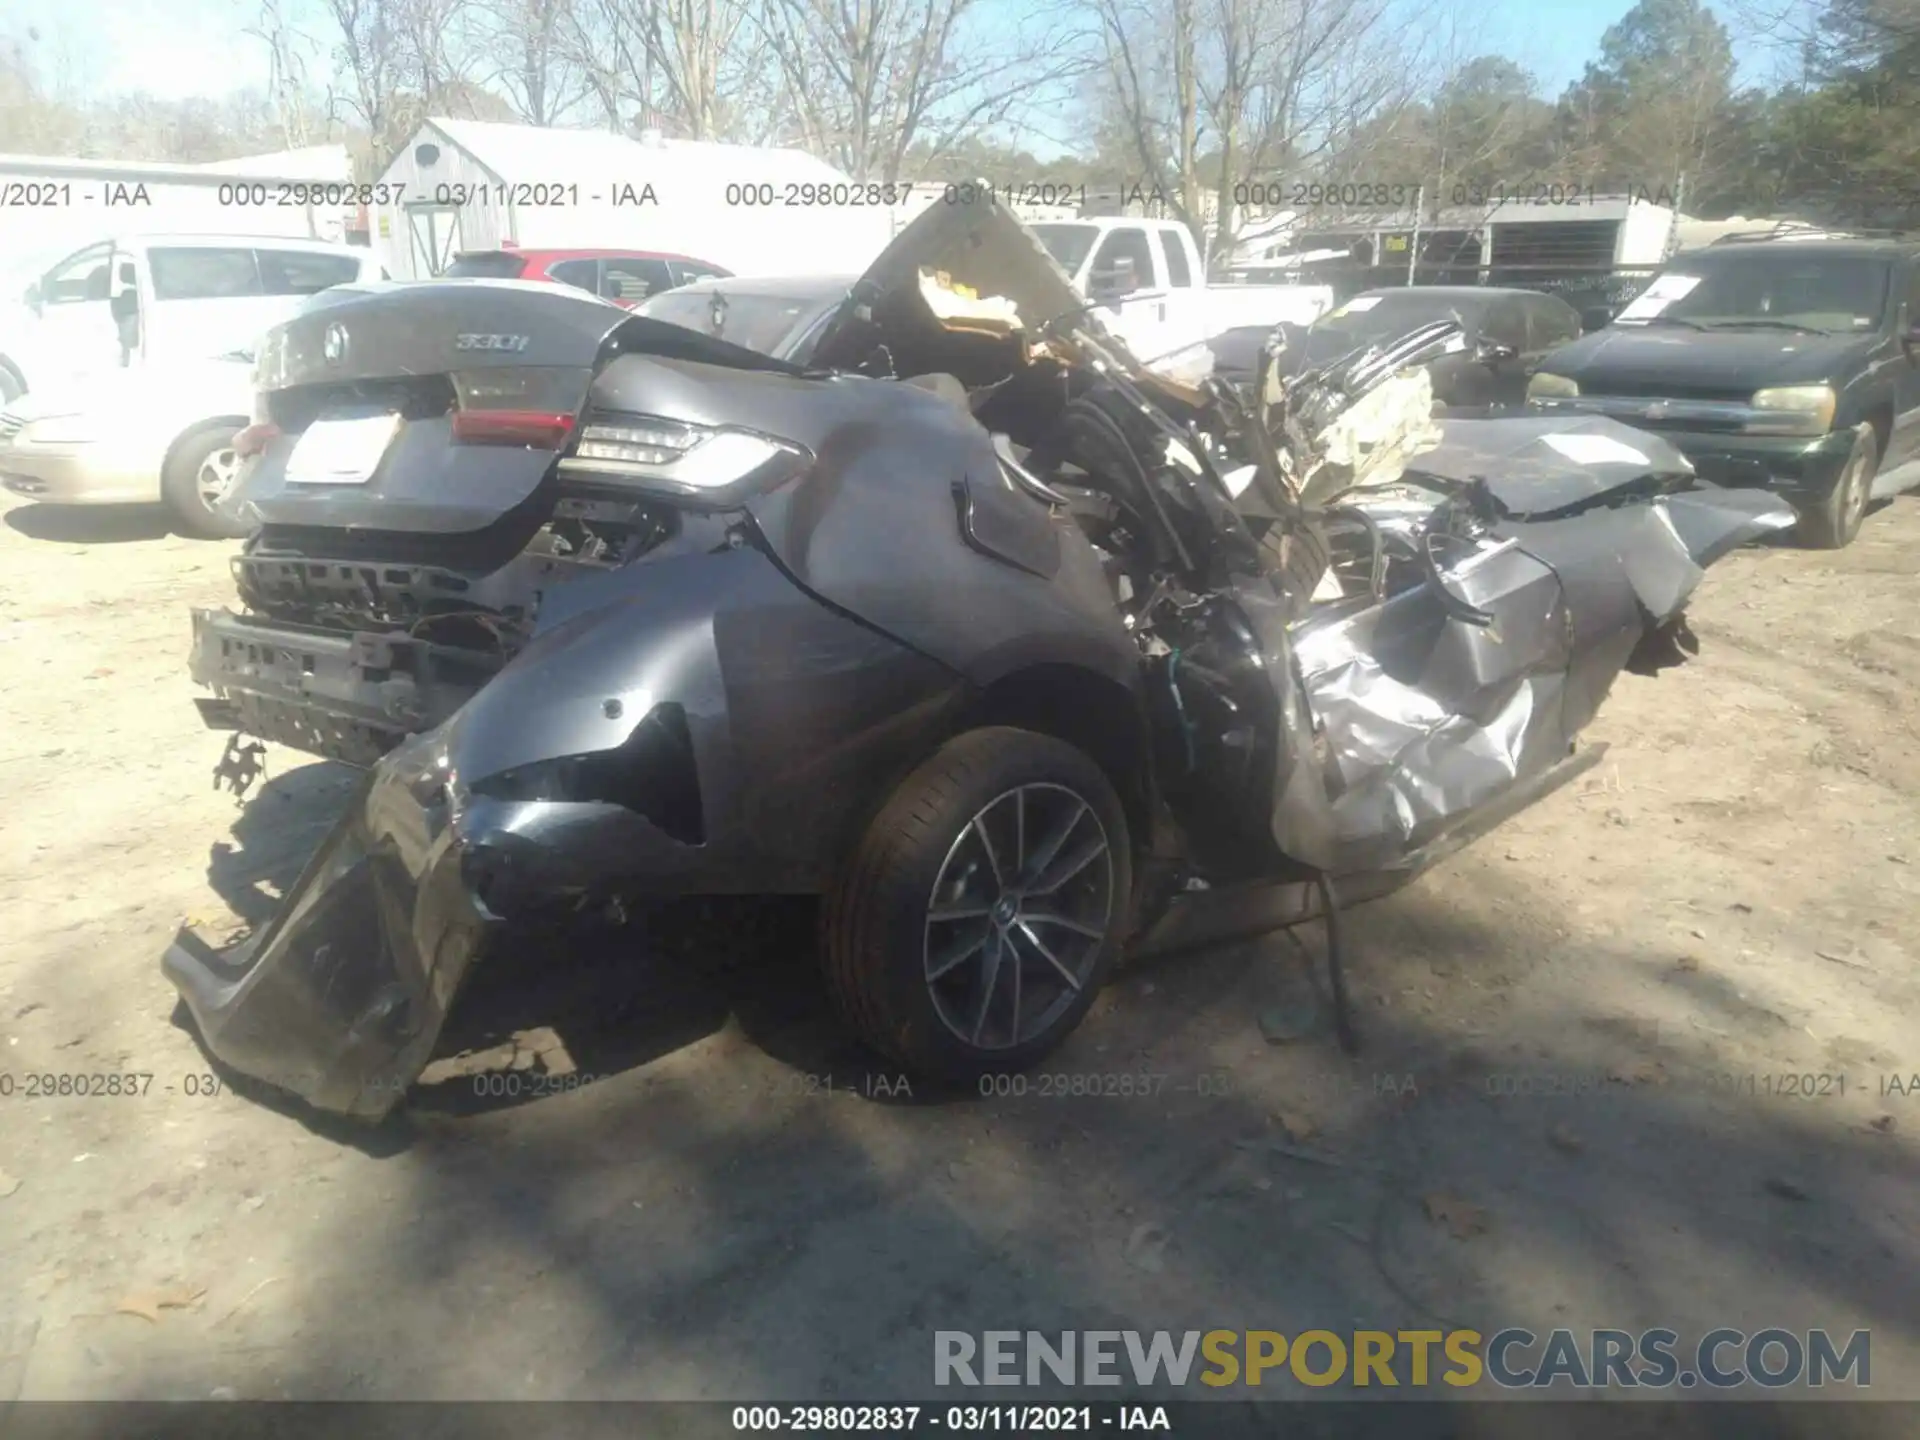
978 917
1837 520
198 477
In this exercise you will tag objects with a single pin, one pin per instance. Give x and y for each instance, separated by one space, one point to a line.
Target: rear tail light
255 438
531 429
530 407
641 442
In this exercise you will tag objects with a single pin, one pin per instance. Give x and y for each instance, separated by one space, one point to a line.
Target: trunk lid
485 381
440 357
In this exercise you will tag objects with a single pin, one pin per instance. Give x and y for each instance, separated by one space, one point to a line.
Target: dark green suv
1790 364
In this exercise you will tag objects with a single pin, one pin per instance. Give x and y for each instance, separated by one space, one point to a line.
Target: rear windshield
759 322
492 265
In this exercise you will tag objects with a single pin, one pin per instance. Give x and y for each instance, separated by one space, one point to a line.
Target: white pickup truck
1148 279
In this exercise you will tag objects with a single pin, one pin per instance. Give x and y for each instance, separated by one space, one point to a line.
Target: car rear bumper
342 997
76 475
348 696
694 726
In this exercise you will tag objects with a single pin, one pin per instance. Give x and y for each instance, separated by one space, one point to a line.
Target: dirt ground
1579 1103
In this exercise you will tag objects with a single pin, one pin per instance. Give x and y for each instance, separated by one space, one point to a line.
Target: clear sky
180 48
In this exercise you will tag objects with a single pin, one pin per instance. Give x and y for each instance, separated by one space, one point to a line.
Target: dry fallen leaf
1298 1127
1882 1123
1146 1248
1640 1072
8 1184
49 1281
1462 1219
148 1304
1688 963
1561 1138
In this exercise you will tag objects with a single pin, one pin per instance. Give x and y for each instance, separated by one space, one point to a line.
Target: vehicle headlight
1544 386
676 457
1794 410
60 430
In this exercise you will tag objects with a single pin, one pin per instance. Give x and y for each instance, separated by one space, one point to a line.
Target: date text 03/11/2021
964 1419
1403 195
300 195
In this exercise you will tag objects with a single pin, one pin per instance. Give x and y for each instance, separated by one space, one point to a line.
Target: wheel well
180 440
1880 417
1088 711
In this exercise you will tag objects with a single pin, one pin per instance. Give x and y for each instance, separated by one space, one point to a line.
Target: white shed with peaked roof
465 185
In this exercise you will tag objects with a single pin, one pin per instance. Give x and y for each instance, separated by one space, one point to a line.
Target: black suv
1790 364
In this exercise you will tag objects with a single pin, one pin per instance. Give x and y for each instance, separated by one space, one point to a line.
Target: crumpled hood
1537 465
980 243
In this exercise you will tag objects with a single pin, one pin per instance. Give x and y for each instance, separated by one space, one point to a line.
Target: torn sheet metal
1428 718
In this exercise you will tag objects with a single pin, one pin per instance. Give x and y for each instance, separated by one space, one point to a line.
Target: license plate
341 452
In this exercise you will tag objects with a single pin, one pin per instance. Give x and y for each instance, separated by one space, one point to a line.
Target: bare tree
871 80
400 61
288 49
1210 92
372 67
696 68
1153 95
33 118
536 68
439 49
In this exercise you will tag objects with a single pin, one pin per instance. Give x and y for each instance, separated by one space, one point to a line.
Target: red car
625 277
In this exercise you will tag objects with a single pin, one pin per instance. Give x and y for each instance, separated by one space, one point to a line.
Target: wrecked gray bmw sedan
998 641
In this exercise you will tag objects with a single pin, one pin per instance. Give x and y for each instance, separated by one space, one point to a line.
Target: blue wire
1180 705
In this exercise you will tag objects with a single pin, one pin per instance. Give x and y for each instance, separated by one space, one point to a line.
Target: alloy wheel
1854 501
216 476
1018 915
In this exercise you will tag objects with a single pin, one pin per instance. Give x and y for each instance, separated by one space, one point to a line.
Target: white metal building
312 162
463 185
55 205
1603 232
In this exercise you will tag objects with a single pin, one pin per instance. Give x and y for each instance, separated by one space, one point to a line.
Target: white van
139 299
